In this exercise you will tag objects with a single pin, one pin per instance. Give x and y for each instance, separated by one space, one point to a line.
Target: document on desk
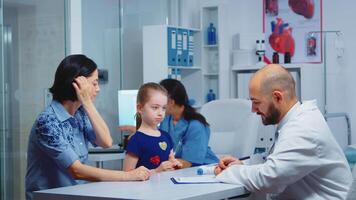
195 179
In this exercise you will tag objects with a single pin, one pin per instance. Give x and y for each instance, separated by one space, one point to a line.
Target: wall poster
289 26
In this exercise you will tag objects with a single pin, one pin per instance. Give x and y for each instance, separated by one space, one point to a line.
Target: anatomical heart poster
293 27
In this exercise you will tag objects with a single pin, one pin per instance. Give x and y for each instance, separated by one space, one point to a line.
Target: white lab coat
306 163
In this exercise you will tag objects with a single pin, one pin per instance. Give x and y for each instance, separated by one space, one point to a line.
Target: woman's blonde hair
143 97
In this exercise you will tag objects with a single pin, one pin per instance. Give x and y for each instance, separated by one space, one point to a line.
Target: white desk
158 187
99 158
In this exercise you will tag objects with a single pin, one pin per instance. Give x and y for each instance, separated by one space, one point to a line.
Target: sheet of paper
195 179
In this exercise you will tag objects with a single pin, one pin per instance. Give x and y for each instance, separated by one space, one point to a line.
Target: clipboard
201 179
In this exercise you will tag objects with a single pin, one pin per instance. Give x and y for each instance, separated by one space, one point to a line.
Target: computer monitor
127 107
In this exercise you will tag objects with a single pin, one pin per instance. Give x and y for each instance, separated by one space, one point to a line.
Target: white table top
158 187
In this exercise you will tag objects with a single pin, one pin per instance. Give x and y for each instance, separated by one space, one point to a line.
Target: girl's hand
83 88
176 164
139 174
165 166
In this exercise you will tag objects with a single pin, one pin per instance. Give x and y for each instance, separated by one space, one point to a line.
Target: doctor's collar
288 115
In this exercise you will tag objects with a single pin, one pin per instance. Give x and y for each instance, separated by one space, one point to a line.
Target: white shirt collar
288 115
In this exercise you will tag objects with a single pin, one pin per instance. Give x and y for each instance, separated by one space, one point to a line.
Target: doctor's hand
139 174
226 162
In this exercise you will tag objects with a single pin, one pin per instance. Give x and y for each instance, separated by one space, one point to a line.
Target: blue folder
172 46
191 48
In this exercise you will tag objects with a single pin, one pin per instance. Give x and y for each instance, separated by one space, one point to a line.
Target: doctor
305 161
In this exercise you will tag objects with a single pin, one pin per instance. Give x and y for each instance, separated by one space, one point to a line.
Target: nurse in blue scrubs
189 130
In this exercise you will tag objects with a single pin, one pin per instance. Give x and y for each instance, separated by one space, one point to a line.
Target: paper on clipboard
195 179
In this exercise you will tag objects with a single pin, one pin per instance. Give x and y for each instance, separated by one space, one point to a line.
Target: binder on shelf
191 48
185 55
179 47
172 46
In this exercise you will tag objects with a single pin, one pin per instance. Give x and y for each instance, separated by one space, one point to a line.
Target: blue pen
244 158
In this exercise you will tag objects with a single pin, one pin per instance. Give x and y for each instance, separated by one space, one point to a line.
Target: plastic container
211 34
203 170
210 96
244 57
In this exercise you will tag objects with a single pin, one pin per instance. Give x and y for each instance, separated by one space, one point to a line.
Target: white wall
100 41
245 17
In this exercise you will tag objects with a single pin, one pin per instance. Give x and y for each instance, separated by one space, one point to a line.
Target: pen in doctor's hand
244 158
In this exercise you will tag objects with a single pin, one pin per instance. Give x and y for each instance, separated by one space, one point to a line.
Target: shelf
211 46
185 67
245 67
211 74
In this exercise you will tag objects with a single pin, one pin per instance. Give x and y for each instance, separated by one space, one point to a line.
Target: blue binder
180 47
191 48
185 55
172 46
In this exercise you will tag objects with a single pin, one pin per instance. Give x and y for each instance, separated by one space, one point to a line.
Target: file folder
172 46
191 48
185 56
180 47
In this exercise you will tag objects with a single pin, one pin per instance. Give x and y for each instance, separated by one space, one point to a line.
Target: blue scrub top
190 140
57 139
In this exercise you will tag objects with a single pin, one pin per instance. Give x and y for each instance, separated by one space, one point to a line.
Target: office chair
234 128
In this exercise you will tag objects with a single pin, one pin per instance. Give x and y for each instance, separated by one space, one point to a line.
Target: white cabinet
203 74
158 63
210 52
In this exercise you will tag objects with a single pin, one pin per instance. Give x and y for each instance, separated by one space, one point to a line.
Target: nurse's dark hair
144 95
177 92
70 68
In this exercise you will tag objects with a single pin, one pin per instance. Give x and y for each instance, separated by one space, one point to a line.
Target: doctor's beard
271 116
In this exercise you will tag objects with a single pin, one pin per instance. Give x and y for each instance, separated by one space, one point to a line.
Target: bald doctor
305 161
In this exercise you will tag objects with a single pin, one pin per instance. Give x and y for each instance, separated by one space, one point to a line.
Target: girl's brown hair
143 96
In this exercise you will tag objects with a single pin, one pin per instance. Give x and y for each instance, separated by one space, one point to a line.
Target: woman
58 143
189 130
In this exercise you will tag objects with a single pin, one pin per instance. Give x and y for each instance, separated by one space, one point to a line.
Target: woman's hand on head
139 174
83 88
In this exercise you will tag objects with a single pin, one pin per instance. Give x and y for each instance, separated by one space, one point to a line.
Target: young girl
149 146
